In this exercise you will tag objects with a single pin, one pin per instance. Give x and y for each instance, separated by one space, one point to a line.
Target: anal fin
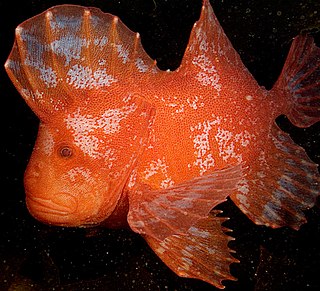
201 253
280 185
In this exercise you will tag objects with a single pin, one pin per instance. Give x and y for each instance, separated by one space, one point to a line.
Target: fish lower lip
62 205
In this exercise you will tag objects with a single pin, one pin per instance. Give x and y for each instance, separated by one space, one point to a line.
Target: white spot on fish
202 39
47 141
271 210
84 78
101 42
141 66
208 74
159 167
111 118
154 168
243 188
186 253
87 130
65 22
193 102
49 77
244 138
261 175
26 93
102 62
204 63
205 80
198 232
160 250
69 46
166 183
132 179
186 263
227 142
226 146
138 224
243 200
122 53
80 172
201 144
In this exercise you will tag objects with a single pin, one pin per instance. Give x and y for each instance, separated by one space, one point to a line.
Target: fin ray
278 195
201 253
160 213
71 51
299 82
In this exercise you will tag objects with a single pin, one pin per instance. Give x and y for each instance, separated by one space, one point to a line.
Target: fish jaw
56 200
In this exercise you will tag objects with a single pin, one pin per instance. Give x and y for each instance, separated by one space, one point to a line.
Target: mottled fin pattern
68 52
208 37
161 213
209 53
300 79
201 253
281 186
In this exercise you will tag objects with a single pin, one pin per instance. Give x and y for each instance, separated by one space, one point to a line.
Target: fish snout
71 199
54 200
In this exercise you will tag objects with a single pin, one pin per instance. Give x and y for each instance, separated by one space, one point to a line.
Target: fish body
122 143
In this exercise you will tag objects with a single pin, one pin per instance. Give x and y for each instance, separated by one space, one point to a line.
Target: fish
122 143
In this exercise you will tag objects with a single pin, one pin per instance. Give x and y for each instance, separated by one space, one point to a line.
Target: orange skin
121 142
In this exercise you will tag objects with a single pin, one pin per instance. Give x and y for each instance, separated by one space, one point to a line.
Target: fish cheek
86 179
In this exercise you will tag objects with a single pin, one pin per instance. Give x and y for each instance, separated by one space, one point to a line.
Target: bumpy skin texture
121 141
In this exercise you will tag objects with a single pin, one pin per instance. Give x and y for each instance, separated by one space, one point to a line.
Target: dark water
34 256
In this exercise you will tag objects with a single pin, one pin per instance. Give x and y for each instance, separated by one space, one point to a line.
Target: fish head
82 161
65 187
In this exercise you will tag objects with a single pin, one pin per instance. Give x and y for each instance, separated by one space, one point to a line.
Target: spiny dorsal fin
68 52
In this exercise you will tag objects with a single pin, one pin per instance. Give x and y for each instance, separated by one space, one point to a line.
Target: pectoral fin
164 212
201 253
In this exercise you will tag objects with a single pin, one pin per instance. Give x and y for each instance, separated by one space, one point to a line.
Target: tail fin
300 81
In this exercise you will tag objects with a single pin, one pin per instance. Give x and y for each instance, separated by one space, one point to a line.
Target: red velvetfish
122 142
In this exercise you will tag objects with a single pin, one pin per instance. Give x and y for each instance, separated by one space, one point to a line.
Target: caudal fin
300 82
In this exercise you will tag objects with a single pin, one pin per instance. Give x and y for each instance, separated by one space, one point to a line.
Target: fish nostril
33 172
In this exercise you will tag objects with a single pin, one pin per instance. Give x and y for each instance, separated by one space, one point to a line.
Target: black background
34 256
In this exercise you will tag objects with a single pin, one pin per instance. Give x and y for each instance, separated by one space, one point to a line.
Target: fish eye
65 151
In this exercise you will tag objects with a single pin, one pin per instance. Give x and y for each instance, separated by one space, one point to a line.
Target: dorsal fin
209 48
70 51
207 36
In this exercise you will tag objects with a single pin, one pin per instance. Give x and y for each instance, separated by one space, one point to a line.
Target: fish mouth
58 210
